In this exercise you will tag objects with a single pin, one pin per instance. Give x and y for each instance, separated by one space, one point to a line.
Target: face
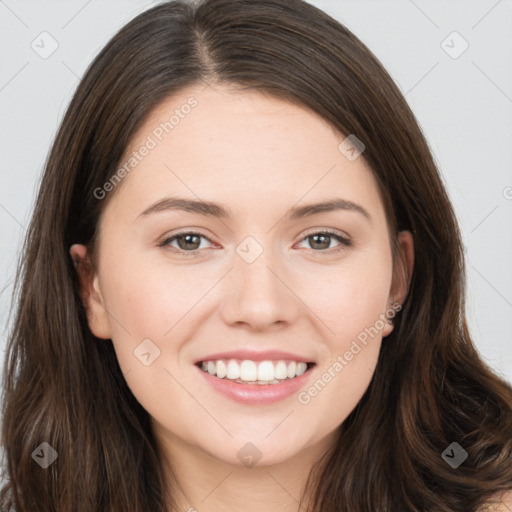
176 286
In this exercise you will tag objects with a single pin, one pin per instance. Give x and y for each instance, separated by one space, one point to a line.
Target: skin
259 156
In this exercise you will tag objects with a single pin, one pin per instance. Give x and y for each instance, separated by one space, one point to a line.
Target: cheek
353 306
147 295
352 309
353 297
148 306
340 385
155 300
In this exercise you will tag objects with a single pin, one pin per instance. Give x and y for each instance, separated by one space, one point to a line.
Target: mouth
246 371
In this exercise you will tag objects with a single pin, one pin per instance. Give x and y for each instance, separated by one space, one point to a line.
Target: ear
90 292
402 274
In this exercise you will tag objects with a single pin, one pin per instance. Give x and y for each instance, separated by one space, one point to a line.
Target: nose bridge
255 259
257 293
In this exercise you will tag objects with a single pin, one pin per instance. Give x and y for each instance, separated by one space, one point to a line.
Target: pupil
187 240
325 238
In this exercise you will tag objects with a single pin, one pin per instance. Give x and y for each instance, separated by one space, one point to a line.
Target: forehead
222 117
239 148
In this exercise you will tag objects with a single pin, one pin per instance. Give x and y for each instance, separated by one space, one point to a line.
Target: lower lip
257 394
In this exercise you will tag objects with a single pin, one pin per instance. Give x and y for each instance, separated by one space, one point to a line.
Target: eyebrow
211 209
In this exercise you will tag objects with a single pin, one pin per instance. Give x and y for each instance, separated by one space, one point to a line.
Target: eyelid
329 231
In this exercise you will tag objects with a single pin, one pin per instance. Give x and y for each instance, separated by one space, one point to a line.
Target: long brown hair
63 386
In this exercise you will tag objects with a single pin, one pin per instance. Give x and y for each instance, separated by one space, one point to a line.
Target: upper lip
254 355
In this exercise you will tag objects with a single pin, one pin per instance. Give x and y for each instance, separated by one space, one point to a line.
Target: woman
243 286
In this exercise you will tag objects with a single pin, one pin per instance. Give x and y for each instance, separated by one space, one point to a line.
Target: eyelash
344 242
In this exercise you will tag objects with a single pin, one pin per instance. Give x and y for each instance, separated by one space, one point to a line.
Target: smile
256 382
255 372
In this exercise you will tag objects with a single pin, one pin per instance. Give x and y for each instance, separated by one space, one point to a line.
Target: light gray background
463 104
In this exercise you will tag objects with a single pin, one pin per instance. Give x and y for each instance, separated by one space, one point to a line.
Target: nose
260 293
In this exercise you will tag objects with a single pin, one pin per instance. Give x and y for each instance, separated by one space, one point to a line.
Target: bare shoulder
502 502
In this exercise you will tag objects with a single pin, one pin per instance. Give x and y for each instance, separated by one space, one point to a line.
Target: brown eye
321 241
188 242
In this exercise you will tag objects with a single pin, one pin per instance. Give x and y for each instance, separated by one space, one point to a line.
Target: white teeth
291 369
252 372
233 370
265 370
248 370
281 371
301 368
221 369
